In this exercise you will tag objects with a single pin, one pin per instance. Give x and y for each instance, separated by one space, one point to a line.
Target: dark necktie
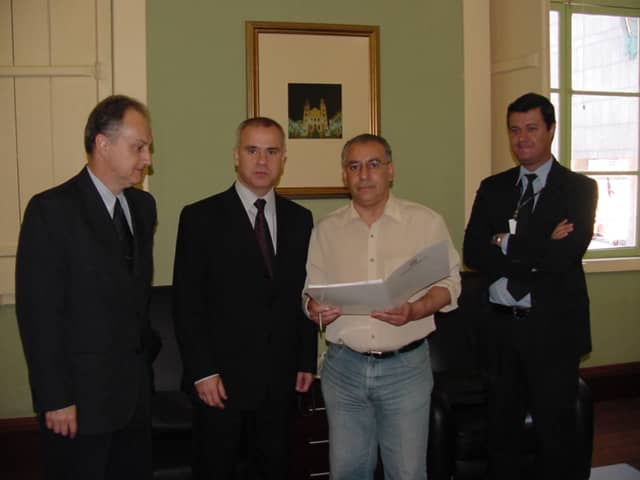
517 287
525 205
124 233
264 236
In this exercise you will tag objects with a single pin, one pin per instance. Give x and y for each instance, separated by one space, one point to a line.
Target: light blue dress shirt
498 292
109 198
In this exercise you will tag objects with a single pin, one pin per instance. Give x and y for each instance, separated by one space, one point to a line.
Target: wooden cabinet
310 453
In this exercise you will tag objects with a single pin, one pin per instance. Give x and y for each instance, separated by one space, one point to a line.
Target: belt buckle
520 313
376 353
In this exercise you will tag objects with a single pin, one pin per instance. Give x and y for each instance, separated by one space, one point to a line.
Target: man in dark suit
246 344
528 230
83 277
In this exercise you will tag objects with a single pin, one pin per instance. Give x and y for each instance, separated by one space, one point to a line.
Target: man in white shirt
376 376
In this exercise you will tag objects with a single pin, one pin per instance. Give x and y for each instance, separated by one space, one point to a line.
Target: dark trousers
242 444
121 455
531 368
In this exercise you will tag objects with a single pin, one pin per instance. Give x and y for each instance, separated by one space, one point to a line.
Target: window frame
609 259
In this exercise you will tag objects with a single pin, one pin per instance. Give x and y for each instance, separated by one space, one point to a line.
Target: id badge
513 224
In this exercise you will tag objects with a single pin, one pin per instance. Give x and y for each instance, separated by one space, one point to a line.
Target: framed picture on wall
321 83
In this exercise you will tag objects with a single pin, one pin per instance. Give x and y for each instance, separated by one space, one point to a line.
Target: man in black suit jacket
246 344
530 245
81 302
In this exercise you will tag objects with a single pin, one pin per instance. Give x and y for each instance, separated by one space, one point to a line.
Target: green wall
197 90
15 396
615 318
196 72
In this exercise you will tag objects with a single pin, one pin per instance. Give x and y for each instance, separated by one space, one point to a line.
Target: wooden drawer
311 437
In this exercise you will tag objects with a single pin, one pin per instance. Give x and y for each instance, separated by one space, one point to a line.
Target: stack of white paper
426 267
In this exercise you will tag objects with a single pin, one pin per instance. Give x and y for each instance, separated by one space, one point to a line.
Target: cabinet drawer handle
316 409
317 442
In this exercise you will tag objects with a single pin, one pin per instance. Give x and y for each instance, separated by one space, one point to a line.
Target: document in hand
428 266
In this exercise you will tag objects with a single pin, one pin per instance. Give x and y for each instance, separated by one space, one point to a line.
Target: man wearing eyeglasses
376 376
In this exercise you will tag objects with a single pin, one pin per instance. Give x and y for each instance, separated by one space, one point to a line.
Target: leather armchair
458 430
170 407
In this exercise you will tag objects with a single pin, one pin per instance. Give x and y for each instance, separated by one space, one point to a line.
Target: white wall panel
33 125
6 33
519 60
72 101
9 208
31 32
73 32
56 62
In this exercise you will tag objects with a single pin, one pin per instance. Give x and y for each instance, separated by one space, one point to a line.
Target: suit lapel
504 205
96 214
547 201
101 224
139 229
285 235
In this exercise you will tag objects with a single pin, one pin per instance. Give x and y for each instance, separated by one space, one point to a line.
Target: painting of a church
315 110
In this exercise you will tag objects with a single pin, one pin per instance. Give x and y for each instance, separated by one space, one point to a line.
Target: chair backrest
167 366
458 342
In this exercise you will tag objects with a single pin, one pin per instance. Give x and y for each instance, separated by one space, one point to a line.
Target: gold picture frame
283 53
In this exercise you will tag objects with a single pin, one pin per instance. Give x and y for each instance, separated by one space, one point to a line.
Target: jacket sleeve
307 334
189 300
544 254
41 288
478 252
537 251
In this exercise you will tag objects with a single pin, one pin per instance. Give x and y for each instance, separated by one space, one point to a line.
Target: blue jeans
375 402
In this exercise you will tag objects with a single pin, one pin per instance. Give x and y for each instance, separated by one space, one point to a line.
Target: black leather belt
515 312
407 348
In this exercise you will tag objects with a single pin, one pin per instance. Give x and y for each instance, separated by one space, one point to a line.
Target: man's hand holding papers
385 300
424 306
322 314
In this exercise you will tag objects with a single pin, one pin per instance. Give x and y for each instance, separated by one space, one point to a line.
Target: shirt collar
108 198
392 210
248 198
542 173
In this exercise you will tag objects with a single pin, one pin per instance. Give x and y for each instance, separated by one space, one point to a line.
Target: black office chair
458 430
170 407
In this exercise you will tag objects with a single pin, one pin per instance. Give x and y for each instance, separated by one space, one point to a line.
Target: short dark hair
366 138
529 101
264 122
106 118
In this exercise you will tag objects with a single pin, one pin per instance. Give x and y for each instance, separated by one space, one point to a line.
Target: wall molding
7 299
521 63
21 424
600 265
8 250
608 382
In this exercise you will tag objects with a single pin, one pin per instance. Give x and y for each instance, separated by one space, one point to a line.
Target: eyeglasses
372 165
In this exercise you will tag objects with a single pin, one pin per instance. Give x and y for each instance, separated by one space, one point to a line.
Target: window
595 87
